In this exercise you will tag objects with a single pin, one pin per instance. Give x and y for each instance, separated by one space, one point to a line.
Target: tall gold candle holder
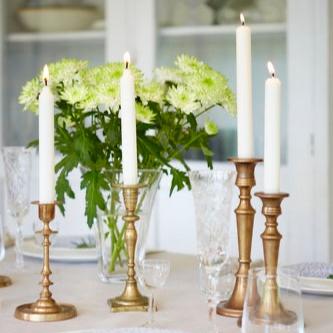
131 298
45 308
245 218
270 308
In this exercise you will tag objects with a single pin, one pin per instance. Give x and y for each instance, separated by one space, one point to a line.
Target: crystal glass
110 242
212 193
153 274
225 280
17 162
273 303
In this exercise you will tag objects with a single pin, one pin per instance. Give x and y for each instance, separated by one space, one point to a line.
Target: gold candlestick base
270 309
5 281
245 218
32 312
131 298
45 308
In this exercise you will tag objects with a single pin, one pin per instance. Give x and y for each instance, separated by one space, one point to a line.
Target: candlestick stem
245 218
131 298
270 308
45 308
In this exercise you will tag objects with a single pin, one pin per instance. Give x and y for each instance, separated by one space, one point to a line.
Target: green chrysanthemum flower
151 92
29 95
211 127
108 95
74 93
189 64
183 99
66 71
90 102
171 75
194 86
113 71
144 114
211 88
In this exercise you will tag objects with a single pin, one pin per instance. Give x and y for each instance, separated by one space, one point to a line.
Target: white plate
59 252
127 330
317 286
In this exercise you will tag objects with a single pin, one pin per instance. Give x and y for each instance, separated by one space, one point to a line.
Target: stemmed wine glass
212 193
17 162
153 274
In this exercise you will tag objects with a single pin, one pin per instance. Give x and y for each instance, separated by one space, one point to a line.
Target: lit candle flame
271 69
46 75
242 18
127 59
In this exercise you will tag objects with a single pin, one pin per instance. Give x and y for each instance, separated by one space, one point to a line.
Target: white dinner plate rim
324 290
30 250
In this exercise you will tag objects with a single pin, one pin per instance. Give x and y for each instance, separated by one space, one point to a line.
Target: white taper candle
272 132
244 91
128 125
46 142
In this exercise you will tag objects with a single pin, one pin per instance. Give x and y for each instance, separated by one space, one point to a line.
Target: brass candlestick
45 308
245 217
5 281
270 308
130 299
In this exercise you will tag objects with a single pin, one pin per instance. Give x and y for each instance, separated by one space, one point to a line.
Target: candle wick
243 23
45 81
126 65
273 74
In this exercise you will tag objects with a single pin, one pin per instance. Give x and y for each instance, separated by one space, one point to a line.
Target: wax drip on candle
271 69
46 74
242 18
127 59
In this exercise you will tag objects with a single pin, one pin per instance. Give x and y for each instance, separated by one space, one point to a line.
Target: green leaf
179 180
94 182
33 144
63 188
206 151
68 163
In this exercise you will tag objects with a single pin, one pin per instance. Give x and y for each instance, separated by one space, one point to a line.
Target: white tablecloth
180 303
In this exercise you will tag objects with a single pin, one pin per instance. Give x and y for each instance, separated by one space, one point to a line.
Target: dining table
180 304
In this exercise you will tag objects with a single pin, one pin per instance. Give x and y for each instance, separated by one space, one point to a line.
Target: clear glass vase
110 231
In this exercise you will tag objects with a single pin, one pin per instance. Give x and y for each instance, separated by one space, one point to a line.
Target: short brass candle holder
131 298
45 308
270 308
245 218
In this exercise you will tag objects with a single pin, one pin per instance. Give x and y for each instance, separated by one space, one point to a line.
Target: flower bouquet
87 124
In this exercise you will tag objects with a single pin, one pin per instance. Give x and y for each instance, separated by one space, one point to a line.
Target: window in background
198 28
